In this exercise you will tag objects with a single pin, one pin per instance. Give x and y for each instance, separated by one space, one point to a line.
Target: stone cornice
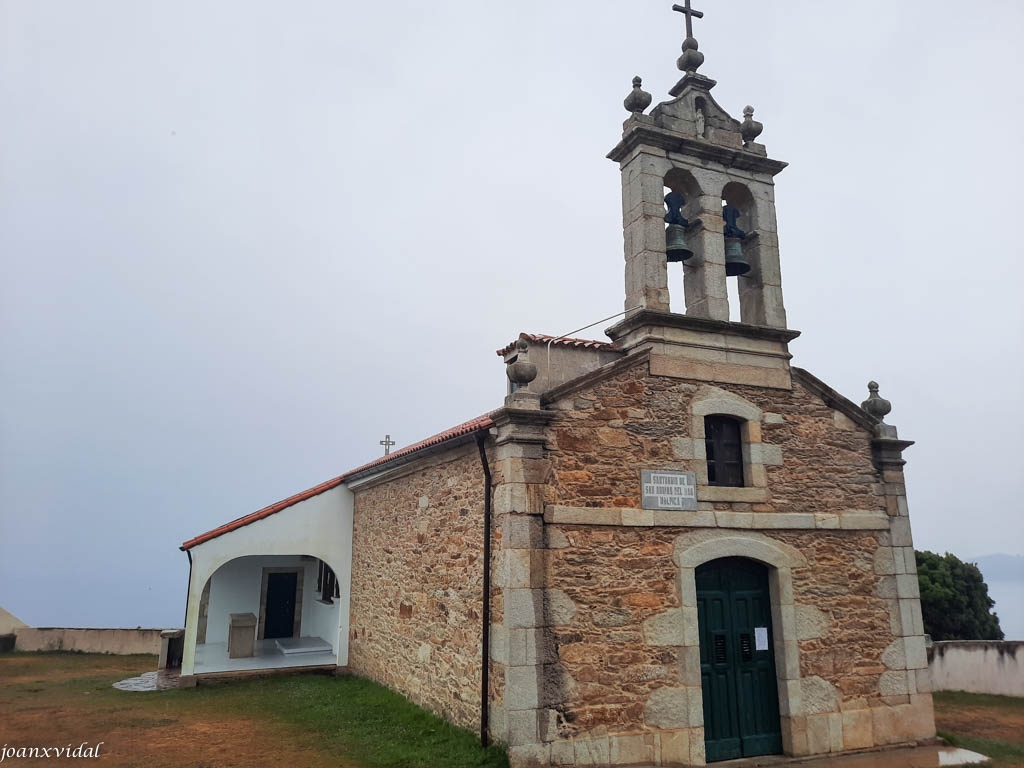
690 323
887 452
642 135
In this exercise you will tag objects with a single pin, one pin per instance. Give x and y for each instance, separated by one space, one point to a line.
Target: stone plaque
669 490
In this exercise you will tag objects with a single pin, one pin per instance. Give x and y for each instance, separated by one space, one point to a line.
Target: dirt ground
60 699
996 718
67 699
986 722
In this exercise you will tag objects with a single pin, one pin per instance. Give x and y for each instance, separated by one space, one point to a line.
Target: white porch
285 574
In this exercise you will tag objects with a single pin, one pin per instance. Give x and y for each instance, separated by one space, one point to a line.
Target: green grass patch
359 719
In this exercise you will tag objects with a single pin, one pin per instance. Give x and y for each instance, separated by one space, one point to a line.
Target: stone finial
521 371
638 99
692 58
750 129
886 446
879 407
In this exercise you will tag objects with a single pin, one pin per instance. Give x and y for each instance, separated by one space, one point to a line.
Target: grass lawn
991 725
303 721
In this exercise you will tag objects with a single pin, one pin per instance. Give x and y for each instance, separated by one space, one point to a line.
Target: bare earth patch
52 700
992 725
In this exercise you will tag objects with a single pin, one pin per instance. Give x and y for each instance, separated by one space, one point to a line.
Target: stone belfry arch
693 147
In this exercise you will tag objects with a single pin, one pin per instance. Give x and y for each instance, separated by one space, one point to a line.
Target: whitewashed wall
324 620
320 527
978 667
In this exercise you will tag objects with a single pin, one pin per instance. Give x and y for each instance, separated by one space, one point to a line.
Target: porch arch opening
268 612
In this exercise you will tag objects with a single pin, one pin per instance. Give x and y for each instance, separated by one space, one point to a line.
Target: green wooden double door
737 661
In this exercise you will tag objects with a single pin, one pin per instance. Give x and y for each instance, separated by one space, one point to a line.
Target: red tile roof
562 341
474 425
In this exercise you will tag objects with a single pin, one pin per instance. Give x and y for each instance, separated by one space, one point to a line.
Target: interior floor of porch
267 654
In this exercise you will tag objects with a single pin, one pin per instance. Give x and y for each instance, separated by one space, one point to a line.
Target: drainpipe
486 610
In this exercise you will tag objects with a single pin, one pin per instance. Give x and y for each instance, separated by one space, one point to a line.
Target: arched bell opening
739 196
682 208
739 214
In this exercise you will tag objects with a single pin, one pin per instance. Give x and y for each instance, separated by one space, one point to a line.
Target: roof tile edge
473 425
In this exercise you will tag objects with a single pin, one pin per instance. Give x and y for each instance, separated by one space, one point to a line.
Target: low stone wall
978 666
117 641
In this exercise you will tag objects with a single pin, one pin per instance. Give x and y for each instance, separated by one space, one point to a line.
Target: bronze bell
676 248
734 262
675 243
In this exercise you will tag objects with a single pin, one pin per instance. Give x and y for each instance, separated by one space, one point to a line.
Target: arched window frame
757 456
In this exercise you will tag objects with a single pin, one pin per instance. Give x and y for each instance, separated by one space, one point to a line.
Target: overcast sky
241 241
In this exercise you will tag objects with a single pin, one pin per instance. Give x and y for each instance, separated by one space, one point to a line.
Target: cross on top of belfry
387 442
689 13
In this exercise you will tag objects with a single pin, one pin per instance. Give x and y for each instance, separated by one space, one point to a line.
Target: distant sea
1004 575
1009 597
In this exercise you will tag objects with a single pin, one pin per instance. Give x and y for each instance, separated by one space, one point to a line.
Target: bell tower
698 188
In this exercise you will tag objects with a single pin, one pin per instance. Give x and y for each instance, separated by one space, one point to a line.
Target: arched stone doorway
697 548
738 677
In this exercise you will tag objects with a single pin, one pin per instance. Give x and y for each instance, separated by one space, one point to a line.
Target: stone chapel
665 549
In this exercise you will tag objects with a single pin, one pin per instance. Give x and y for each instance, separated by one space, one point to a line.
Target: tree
954 599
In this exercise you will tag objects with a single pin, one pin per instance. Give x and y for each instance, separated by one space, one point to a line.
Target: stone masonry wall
623 678
620 581
605 433
617 579
416 586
